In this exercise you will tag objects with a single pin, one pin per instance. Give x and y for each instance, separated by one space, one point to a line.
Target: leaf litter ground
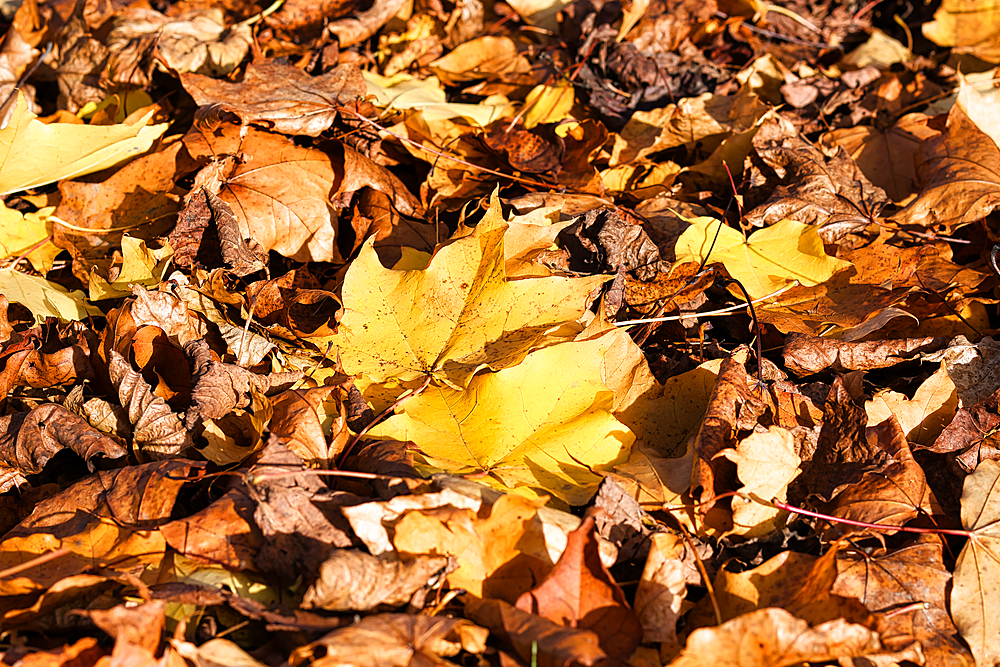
417 333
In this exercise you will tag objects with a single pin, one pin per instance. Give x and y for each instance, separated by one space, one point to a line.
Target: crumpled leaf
279 97
394 640
773 637
29 439
478 318
157 430
771 258
221 387
805 355
975 607
565 434
64 150
660 595
355 581
282 197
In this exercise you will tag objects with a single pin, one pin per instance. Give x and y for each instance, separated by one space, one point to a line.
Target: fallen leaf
766 463
767 260
65 150
805 355
974 607
44 298
566 434
662 589
479 317
580 593
355 581
394 640
923 417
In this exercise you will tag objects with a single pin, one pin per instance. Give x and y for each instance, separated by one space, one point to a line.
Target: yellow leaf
924 417
402 91
770 259
548 104
458 315
140 264
33 153
44 298
544 423
766 464
19 233
964 23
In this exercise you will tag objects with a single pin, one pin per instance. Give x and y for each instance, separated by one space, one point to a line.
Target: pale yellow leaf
33 153
545 423
975 605
20 233
140 265
771 258
924 416
44 298
766 463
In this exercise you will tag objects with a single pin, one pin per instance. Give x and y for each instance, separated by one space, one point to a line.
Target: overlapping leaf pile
323 323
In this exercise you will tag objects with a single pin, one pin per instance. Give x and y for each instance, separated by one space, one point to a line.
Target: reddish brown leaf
579 593
805 355
156 429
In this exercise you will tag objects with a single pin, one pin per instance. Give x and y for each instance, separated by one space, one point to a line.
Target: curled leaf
157 430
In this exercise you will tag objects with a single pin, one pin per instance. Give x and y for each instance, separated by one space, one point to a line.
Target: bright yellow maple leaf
456 316
771 258
545 423
33 153
20 233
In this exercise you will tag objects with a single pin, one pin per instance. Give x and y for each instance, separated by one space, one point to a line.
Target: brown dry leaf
731 396
885 156
287 197
975 606
580 593
394 640
221 387
805 355
194 41
141 197
890 496
139 626
957 172
303 416
660 596
243 255
911 576
775 638
351 580
535 639
972 434
481 546
222 533
480 58
157 430
830 192
36 369
279 97
856 309
843 452
29 439
299 535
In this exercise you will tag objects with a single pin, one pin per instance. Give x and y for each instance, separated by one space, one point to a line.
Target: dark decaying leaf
221 387
603 242
280 97
805 355
157 430
299 535
29 439
243 255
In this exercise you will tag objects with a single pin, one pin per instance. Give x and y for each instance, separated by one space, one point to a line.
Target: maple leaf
456 316
766 261
564 432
